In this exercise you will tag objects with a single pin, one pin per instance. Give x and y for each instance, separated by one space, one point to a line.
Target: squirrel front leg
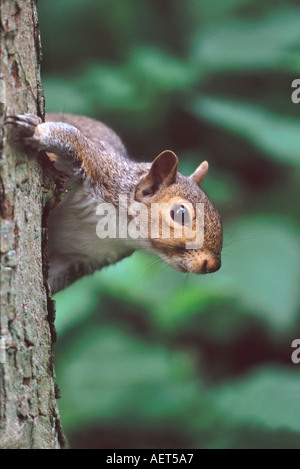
59 138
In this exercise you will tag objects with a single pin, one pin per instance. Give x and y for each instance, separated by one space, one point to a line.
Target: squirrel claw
32 142
28 118
23 128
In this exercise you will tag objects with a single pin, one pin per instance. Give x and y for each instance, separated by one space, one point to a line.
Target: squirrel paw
24 129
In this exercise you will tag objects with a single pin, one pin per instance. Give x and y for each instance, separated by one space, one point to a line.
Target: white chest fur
73 239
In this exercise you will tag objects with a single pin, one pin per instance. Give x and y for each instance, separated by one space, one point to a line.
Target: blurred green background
147 357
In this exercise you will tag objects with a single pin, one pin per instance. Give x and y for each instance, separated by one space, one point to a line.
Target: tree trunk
28 408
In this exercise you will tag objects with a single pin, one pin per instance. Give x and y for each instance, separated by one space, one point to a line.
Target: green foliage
266 43
201 362
275 136
253 399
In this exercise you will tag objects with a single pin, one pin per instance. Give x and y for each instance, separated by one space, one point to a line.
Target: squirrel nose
210 264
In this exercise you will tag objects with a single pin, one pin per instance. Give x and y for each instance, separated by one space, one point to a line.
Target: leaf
268 42
108 374
278 137
157 70
75 303
207 12
64 95
263 269
109 87
265 398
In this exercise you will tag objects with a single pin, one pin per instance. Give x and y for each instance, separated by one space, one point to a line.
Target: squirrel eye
180 214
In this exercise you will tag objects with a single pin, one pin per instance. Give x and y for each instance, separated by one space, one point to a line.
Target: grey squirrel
97 170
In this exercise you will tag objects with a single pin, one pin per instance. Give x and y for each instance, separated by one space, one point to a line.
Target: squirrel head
184 228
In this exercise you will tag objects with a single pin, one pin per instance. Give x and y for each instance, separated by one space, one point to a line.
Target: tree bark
28 407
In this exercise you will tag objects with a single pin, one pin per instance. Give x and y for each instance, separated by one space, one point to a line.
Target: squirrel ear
164 167
200 173
161 174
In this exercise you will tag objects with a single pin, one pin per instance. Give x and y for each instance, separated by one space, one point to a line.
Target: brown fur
92 154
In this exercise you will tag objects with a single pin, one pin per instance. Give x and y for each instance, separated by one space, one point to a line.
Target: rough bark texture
28 407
